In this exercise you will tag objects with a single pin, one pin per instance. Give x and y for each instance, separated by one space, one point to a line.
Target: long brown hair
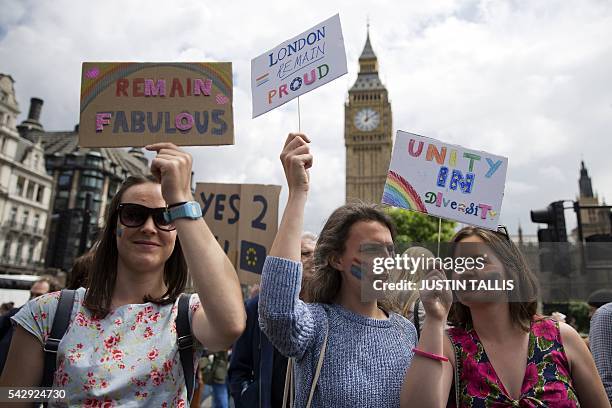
326 280
523 300
103 269
80 270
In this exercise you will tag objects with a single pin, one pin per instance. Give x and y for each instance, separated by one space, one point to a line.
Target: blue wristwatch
190 209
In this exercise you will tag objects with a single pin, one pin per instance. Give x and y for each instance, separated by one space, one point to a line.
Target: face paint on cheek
119 232
356 271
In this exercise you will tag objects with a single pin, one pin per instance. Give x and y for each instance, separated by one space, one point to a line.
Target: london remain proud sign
298 65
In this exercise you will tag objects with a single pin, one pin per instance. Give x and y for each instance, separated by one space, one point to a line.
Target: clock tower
367 132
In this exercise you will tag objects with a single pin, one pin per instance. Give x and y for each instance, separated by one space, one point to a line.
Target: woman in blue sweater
366 347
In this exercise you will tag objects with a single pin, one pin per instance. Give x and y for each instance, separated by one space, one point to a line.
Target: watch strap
190 209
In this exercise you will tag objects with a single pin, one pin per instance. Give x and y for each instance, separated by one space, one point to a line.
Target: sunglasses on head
135 215
502 230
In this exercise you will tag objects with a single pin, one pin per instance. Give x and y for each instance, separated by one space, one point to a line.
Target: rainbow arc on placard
399 193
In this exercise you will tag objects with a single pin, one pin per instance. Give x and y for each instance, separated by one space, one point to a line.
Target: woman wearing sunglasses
347 352
499 352
121 347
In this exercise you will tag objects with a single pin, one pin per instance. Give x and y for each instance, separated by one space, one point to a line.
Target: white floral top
130 358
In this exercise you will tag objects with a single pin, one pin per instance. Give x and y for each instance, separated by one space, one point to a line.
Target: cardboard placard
298 65
244 218
445 180
136 104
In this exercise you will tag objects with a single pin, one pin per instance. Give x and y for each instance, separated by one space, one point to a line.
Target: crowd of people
308 338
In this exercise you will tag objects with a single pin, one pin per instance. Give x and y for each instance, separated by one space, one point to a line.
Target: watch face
367 120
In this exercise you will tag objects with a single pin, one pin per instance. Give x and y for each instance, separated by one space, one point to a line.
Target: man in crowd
597 299
600 337
43 285
257 370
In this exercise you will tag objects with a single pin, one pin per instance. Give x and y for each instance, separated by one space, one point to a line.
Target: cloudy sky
529 80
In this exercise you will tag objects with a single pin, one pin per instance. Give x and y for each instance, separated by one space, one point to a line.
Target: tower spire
586 188
368 52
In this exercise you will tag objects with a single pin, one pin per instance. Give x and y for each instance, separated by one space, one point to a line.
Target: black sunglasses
135 215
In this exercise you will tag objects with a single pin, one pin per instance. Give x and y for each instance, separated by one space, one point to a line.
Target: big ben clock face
367 120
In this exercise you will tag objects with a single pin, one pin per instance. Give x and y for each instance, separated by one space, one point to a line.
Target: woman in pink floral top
507 356
120 348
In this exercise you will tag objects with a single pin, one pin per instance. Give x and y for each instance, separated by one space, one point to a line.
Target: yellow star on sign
251 258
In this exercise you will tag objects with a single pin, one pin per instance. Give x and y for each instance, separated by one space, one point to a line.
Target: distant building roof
367 52
62 143
367 82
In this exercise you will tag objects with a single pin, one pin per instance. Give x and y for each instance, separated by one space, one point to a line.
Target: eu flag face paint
356 271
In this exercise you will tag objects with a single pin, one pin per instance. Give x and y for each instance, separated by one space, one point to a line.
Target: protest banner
135 104
298 65
244 219
445 180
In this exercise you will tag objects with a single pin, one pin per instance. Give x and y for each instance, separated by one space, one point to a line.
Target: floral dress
129 358
547 381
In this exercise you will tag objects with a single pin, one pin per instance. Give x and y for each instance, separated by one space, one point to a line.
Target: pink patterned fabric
546 383
128 358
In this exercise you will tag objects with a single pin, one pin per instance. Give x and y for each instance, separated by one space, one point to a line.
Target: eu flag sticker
252 257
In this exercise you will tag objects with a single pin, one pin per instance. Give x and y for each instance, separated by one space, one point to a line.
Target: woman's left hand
172 167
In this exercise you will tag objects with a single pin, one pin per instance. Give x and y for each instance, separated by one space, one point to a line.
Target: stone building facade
25 188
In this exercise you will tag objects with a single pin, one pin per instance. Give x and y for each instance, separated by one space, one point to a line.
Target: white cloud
527 80
552 173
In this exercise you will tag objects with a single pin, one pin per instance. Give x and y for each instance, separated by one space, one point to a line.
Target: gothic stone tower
367 132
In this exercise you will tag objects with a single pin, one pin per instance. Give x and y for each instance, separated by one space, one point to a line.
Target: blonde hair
415 276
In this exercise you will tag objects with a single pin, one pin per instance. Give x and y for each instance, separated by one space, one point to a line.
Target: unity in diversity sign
135 104
244 219
446 180
298 65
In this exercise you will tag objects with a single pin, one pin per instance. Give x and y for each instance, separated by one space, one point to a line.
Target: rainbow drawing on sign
399 193
262 79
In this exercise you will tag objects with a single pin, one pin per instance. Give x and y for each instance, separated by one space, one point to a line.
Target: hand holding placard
297 159
437 302
172 167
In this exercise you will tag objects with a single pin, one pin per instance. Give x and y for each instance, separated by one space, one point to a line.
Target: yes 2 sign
244 219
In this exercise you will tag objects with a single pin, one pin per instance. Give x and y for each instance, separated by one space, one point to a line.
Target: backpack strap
185 343
60 325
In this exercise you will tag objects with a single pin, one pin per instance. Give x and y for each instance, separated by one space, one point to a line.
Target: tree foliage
422 228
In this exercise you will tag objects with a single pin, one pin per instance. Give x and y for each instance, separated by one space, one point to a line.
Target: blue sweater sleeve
283 317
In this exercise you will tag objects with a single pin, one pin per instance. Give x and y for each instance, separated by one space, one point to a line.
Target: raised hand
172 167
437 302
296 159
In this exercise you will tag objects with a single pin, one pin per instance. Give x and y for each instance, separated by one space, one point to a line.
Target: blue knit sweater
366 359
